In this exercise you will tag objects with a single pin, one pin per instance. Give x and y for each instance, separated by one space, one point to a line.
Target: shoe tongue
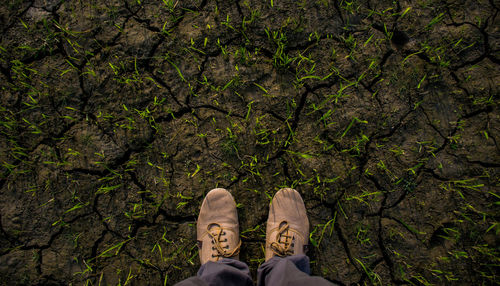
214 226
215 230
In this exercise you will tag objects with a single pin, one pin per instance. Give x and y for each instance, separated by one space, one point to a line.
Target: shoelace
222 251
279 247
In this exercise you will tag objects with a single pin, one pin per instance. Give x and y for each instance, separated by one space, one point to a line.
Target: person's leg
219 243
223 272
287 237
290 270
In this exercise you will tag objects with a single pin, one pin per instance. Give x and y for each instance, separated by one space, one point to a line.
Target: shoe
287 231
217 227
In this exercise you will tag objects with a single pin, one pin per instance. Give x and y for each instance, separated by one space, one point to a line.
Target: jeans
291 270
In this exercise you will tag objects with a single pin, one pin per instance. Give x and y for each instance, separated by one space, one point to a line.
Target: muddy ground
117 117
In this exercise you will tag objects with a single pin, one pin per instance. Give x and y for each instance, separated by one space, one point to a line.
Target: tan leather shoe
217 227
287 231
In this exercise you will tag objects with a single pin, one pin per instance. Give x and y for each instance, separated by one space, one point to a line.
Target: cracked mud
118 116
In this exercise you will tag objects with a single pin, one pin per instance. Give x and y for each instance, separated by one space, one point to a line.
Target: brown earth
118 116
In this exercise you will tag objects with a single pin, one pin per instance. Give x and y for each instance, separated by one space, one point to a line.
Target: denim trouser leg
225 272
291 270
